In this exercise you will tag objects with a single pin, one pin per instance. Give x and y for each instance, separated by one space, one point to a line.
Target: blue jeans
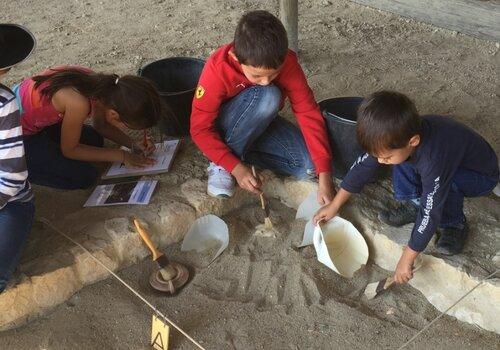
15 224
465 183
250 125
47 166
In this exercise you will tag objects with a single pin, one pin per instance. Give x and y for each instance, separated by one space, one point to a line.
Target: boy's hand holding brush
247 179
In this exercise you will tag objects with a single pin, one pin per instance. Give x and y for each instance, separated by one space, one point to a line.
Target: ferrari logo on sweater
200 91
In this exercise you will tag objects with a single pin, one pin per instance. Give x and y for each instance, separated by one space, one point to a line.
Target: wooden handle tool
267 220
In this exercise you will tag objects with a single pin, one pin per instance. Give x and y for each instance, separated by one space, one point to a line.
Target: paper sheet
135 192
163 155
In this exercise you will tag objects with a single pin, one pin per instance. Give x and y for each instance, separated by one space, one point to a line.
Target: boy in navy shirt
436 163
16 197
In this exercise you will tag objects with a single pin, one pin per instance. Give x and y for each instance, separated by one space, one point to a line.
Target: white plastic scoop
205 233
340 246
308 207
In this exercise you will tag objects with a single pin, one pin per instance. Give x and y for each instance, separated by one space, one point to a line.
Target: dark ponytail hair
135 99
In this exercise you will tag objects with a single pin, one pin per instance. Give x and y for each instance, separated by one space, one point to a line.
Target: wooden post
289 16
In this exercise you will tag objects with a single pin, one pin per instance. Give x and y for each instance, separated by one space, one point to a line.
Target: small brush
267 220
374 289
167 271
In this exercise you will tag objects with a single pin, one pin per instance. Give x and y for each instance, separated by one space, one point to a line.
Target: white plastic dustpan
308 207
496 190
340 246
306 211
307 239
205 233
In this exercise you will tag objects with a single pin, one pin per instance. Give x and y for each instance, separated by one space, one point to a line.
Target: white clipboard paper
164 155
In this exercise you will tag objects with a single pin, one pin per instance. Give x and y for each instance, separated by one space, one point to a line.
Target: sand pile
261 293
264 267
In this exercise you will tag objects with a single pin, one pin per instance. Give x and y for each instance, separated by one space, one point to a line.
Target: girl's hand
246 180
146 147
326 188
132 160
325 213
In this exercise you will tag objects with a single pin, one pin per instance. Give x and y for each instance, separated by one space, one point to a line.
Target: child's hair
135 99
260 40
386 120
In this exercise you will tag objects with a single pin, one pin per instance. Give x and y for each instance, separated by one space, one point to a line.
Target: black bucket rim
164 93
330 114
346 121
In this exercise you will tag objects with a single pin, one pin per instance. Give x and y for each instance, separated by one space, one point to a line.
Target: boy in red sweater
235 112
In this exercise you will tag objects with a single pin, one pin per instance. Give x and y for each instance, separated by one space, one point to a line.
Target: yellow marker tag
200 91
159 334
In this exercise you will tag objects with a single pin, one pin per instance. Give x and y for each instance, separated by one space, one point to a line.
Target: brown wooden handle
418 264
145 237
389 282
253 171
262 199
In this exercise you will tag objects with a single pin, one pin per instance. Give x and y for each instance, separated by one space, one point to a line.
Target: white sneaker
496 190
220 182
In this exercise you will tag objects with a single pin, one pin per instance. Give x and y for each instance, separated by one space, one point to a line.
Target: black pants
47 166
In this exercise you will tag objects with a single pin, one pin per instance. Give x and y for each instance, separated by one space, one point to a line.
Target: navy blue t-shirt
445 146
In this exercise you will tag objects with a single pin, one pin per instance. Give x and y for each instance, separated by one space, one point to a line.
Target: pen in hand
145 143
136 149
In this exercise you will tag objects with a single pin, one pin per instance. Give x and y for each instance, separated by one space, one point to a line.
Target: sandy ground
261 293
345 49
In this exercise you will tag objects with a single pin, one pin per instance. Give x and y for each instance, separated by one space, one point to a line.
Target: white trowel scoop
340 246
205 233
308 207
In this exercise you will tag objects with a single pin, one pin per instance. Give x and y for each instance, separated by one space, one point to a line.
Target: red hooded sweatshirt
222 79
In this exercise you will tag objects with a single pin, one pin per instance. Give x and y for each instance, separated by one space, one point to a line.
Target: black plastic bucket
176 79
16 45
340 116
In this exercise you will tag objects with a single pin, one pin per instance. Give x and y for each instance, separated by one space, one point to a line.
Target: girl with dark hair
60 144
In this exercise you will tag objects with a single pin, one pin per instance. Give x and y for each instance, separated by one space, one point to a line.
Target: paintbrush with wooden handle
166 269
375 288
267 220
